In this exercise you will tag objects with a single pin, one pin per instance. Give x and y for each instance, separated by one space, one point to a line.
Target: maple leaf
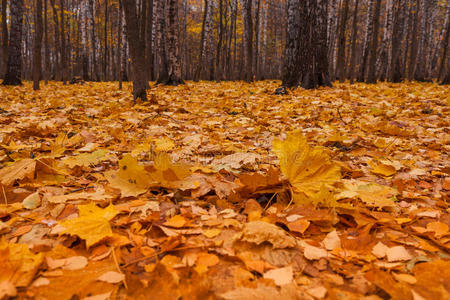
92 225
19 170
372 194
19 264
131 178
306 168
87 159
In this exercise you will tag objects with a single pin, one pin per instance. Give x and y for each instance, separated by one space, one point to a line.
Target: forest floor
225 190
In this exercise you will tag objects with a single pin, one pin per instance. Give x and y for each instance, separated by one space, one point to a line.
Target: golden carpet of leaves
225 191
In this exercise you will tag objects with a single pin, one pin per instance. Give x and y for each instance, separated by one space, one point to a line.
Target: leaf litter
330 193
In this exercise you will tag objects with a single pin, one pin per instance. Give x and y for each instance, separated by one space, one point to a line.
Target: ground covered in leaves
225 191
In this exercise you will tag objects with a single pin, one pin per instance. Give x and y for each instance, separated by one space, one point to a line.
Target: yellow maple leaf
306 168
131 178
92 225
167 173
372 194
21 169
19 264
87 159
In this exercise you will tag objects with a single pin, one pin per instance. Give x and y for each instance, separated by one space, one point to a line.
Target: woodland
225 149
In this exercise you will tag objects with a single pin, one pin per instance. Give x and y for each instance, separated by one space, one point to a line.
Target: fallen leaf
397 253
306 168
259 232
280 276
112 277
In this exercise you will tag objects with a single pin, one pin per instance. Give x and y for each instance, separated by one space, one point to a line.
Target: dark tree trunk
342 41
395 72
366 44
174 64
313 49
37 47
413 48
4 38
161 33
372 74
149 46
63 44
14 65
354 36
291 64
119 44
140 83
46 46
249 40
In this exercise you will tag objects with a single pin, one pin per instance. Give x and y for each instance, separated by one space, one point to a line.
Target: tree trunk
149 36
105 50
63 45
37 47
248 33
372 74
205 39
395 71
173 50
46 46
342 41
162 43
4 38
95 73
291 64
384 58
413 46
120 45
313 44
445 63
140 83
84 45
366 43
14 65
354 38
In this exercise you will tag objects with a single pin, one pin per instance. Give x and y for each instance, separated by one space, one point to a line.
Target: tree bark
14 64
395 70
248 32
384 58
173 50
291 64
313 45
162 43
37 47
149 41
140 83
366 43
413 46
63 44
342 41
354 38
46 45
4 37
372 74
